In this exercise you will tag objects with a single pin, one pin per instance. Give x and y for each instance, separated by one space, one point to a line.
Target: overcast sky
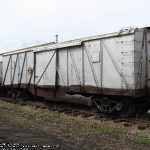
25 23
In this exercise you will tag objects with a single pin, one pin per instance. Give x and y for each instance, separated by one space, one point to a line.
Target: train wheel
19 95
12 95
123 107
142 106
127 109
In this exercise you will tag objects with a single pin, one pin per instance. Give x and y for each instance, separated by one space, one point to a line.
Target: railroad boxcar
112 69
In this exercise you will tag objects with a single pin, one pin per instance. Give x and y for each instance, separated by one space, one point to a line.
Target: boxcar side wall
6 70
18 70
100 66
110 72
103 66
45 73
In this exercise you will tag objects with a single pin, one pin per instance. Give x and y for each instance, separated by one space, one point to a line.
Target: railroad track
142 122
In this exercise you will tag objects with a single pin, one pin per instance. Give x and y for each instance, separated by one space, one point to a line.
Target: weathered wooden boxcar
114 69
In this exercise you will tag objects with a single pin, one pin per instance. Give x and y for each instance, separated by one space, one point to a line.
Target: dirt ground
31 125
15 136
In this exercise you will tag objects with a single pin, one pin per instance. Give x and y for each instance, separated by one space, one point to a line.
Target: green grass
17 113
114 131
143 138
31 117
105 130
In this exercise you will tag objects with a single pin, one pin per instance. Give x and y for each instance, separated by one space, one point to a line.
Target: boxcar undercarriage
120 105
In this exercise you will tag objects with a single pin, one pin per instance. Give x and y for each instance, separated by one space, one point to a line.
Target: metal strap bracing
60 74
45 68
75 67
92 68
115 64
6 70
14 70
22 69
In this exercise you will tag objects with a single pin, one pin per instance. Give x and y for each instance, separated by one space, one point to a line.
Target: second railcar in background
113 69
